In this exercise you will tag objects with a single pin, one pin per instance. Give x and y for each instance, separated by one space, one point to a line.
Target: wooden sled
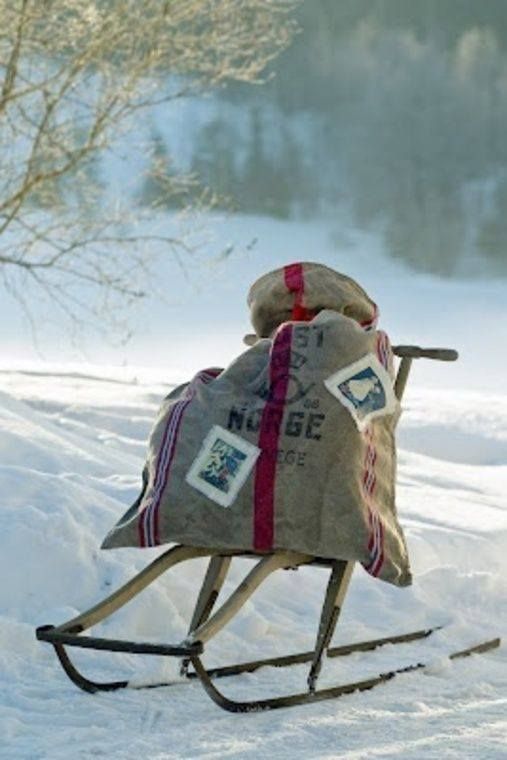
205 625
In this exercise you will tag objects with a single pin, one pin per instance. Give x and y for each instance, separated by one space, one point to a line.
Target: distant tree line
395 110
392 111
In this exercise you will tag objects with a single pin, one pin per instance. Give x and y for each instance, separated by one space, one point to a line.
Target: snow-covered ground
72 442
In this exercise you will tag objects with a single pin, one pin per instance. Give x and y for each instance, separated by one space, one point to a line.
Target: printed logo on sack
365 388
222 465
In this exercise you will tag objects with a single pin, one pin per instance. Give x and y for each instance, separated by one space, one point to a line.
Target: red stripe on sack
376 567
294 278
384 351
295 283
148 521
367 324
172 444
269 434
369 482
371 542
380 348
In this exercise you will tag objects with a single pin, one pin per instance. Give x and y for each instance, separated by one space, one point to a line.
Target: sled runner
205 625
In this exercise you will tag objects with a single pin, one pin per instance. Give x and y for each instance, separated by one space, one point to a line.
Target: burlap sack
290 447
300 291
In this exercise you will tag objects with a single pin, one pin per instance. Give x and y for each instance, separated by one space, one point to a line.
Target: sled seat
204 625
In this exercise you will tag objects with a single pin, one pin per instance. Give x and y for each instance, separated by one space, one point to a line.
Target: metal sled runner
205 625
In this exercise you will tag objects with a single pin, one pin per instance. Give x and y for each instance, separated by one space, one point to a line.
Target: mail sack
291 447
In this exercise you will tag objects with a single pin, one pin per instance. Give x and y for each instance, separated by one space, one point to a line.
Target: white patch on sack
222 465
365 389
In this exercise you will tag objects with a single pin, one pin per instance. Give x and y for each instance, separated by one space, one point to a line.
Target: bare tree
74 76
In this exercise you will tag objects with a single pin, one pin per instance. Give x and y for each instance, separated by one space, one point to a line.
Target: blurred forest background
388 114
393 113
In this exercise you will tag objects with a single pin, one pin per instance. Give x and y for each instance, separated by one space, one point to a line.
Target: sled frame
204 625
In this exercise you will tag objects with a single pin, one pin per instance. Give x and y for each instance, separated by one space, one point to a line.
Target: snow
72 442
197 314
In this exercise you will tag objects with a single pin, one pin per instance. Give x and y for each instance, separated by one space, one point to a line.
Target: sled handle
416 352
408 353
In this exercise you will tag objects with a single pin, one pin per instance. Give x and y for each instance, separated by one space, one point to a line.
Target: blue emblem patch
222 465
365 388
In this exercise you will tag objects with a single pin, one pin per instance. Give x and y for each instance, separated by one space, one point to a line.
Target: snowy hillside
72 444
71 451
